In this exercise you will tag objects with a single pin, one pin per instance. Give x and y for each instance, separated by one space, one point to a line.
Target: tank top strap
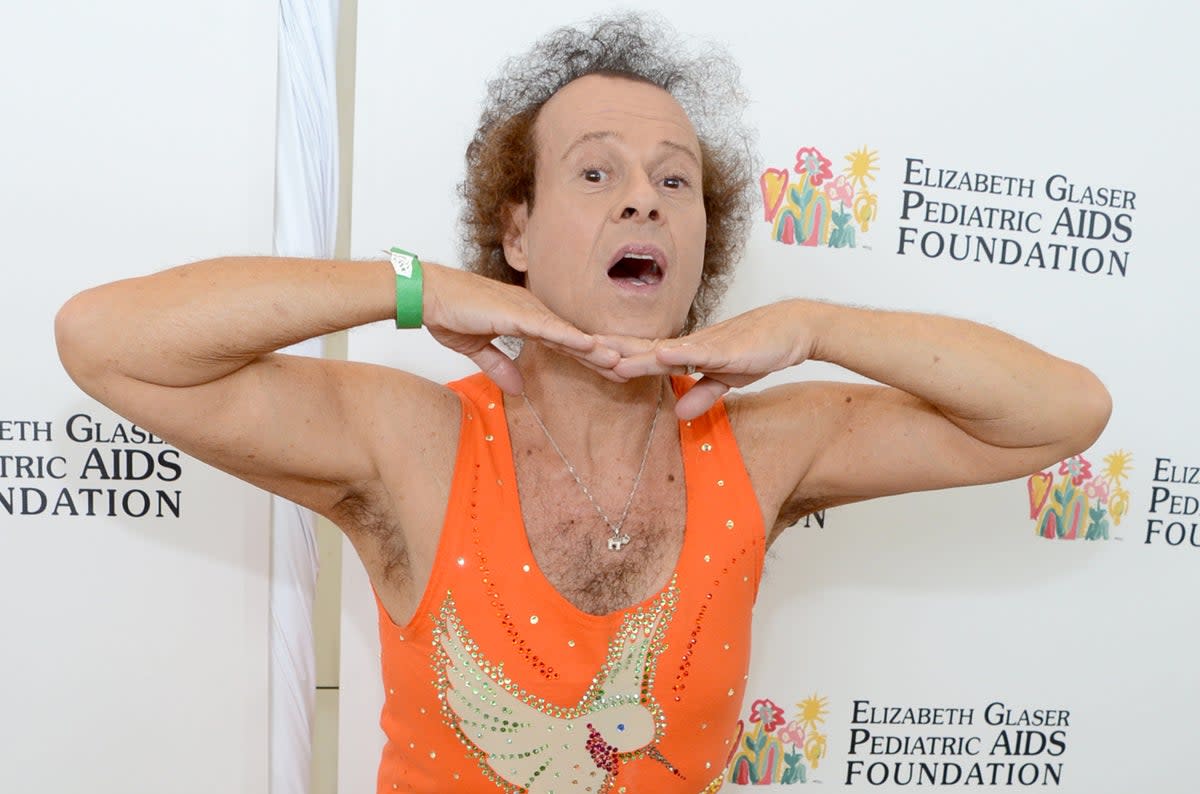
477 430
722 504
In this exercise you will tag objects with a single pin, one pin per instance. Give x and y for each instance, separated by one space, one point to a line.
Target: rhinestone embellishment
520 739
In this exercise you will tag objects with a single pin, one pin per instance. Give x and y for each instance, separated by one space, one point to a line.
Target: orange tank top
498 683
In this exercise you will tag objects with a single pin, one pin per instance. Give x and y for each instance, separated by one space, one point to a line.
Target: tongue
641 271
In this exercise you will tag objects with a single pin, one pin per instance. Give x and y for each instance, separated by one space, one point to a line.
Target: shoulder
409 426
781 432
388 404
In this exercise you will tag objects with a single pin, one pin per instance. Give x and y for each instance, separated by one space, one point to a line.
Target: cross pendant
615 543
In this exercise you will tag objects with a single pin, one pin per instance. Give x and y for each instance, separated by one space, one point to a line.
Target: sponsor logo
1075 501
808 204
87 467
771 749
1174 504
948 745
1047 222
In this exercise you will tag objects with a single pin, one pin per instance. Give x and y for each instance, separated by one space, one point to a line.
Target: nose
632 212
640 201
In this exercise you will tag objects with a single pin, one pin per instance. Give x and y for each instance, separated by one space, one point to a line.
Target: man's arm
963 404
187 353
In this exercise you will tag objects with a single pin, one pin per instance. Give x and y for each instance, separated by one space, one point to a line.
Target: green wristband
409 287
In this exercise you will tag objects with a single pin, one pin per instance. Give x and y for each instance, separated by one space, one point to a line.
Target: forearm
196 323
997 388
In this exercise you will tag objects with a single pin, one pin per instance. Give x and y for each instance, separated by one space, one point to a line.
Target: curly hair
502 155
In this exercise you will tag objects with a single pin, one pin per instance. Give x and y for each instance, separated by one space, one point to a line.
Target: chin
640 327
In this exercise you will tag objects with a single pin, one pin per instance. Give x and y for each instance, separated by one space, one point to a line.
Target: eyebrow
599 135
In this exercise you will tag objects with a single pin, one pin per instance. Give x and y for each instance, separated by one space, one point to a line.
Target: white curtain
306 178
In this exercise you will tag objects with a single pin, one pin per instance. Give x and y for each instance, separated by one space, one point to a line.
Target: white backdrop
136 135
939 600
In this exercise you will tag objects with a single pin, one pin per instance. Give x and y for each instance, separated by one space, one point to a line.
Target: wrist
814 328
409 287
435 276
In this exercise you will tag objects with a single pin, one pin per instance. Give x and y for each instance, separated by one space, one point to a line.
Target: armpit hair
795 511
360 516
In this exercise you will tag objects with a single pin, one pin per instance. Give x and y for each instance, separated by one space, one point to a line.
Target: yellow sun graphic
1117 466
813 710
862 167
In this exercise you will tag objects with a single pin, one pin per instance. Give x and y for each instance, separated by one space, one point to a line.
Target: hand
466 312
730 354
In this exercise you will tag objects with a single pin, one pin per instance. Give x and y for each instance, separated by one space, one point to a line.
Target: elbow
75 335
1092 407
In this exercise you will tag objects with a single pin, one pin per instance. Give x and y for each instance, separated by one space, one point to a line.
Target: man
564 573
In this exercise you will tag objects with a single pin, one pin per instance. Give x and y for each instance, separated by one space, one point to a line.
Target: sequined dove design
525 744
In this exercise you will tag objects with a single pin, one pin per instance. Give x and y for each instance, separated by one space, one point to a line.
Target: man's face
615 241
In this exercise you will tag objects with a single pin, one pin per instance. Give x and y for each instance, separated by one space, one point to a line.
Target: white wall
136 135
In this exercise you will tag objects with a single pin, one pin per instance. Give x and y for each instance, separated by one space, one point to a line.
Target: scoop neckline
512 499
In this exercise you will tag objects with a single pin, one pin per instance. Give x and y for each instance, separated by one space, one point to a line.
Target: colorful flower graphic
810 160
1078 467
1118 504
792 733
817 208
763 758
865 206
840 189
766 712
1080 504
1097 489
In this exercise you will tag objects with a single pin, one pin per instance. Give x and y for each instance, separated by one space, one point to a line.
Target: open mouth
636 269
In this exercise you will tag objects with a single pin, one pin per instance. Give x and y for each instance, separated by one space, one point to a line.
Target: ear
514 237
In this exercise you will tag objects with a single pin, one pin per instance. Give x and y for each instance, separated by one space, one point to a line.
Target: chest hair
570 542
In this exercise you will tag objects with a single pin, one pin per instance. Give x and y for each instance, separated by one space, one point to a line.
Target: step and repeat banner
1025 165
133 579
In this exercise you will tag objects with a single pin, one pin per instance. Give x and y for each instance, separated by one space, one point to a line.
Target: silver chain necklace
619 538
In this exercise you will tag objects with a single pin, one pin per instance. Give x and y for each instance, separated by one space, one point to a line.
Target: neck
553 377
586 412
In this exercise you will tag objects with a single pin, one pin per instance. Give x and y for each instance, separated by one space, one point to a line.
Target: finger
549 327
610 374
500 368
627 345
699 354
606 370
647 363
600 361
736 381
700 398
599 357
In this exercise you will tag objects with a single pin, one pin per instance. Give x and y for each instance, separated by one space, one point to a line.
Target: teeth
638 256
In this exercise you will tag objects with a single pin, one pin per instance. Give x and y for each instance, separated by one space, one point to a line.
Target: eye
674 182
594 175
